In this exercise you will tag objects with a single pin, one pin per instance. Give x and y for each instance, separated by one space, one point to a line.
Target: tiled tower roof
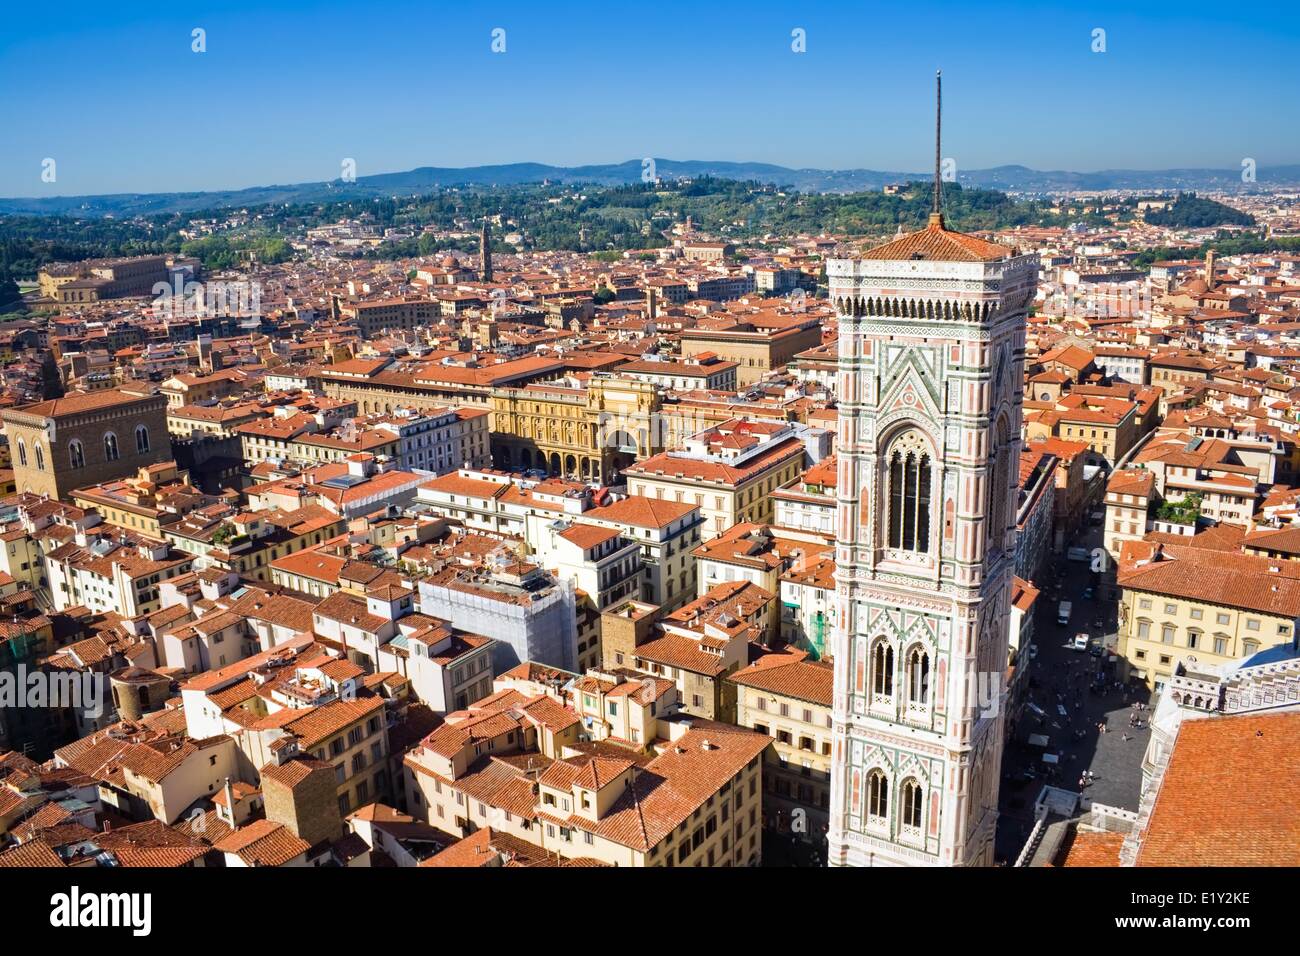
937 242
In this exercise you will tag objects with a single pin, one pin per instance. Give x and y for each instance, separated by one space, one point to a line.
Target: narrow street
1085 715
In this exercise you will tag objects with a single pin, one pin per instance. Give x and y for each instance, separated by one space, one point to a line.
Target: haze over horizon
271 102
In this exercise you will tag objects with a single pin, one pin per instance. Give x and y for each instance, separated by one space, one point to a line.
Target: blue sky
113 92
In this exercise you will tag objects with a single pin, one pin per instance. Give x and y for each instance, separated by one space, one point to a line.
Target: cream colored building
170 782
728 472
1129 493
514 766
787 697
1180 602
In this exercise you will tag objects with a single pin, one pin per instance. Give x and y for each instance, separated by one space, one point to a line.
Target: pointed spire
936 211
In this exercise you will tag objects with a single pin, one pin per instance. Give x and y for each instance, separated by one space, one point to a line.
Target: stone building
301 794
96 279
85 439
931 358
758 344
585 432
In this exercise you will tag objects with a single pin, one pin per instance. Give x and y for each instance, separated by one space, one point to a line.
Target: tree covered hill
1190 211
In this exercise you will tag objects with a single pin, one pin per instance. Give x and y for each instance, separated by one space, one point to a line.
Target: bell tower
931 352
485 252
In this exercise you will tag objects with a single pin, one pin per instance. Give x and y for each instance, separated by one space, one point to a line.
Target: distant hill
428 178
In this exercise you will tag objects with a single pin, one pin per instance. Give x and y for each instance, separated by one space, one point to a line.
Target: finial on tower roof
936 212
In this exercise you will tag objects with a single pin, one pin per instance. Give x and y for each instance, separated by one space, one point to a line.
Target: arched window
877 797
998 486
22 453
918 676
110 447
141 439
40 458
909 480
76 454
911 796
882 670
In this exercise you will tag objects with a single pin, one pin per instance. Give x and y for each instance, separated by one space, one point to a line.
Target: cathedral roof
937 242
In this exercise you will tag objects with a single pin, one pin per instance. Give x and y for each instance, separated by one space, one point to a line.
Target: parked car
1080 642
1088 593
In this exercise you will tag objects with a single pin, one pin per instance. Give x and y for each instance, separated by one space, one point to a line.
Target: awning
1038 740
1051 758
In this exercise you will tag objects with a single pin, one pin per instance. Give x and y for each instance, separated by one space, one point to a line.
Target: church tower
485 253
931 352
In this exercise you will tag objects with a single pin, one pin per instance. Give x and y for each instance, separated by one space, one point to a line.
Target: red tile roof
939 243
1229 795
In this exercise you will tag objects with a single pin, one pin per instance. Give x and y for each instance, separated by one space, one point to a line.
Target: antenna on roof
936 213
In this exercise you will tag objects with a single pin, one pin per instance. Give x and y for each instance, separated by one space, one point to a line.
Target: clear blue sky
112 91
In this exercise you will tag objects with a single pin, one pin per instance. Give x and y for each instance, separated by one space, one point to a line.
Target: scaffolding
539 626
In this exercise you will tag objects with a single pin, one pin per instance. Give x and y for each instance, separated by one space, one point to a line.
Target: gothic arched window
918 676
998 485
882 670
40 458
76 454
911 795
141 439
877 797
22 453
110 447
910 469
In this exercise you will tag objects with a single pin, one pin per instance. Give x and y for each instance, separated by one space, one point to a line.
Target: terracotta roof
667 466
1131 481
1091 848
264 843
587 536
29 855
75 403
151 844
1258 584
939 243
1228 796
488 847
642 512
789 673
